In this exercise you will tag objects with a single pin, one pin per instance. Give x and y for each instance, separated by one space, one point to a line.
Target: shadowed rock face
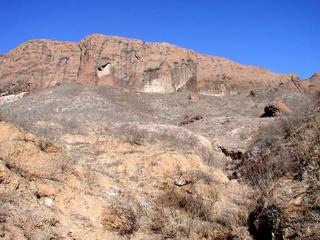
132 64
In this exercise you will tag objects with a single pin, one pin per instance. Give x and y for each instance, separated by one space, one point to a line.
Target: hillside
114 138
105 163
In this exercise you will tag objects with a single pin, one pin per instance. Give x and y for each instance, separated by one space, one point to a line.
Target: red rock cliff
133 64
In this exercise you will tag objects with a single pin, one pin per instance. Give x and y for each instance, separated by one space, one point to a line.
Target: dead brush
166 222
186 212
196 205
196 199
44 145
172 223
281 150
179 212
122 216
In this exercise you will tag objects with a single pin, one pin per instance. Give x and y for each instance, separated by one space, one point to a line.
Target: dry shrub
44 145
121 220
134 138
196 204
197 210
282 149
171 223
282 162
122 216
196 198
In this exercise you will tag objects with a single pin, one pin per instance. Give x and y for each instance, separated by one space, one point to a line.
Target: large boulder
276 109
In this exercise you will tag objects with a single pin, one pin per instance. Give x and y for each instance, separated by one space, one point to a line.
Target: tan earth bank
120 165
116 189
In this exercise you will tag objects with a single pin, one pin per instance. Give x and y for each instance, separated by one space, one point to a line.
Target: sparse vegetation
282 149
192 211
195 204
284 167
129 179
122 216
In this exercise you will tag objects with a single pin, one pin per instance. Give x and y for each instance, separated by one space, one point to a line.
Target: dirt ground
100 163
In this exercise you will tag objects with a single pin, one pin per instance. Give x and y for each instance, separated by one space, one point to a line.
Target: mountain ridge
133 64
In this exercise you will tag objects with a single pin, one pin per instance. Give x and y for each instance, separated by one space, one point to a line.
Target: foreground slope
110 188
284 164
104 163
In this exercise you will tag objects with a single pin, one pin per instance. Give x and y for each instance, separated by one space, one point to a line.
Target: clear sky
281 35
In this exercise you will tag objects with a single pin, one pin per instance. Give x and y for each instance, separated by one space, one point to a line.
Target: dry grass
282 150
192 202
122 216
198 211
283 166
201 209
178 137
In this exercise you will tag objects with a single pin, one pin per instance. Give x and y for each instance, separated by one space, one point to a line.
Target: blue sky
281 35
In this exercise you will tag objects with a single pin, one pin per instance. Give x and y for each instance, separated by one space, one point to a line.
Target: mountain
132 64
89 149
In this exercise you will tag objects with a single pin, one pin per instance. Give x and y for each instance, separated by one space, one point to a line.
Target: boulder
275 110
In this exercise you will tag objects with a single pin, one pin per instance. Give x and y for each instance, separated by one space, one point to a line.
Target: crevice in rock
232 168
266 223
234 154
103 66
137 57
80 61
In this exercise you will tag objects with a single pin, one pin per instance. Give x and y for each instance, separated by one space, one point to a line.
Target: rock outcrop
312 85
11 98
276 109
38 64
132 64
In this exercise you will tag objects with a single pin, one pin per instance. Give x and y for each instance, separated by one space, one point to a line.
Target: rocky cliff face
132 64
39 64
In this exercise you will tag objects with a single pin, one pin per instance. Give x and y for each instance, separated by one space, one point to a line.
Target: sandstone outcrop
312 85
132 64
38 64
